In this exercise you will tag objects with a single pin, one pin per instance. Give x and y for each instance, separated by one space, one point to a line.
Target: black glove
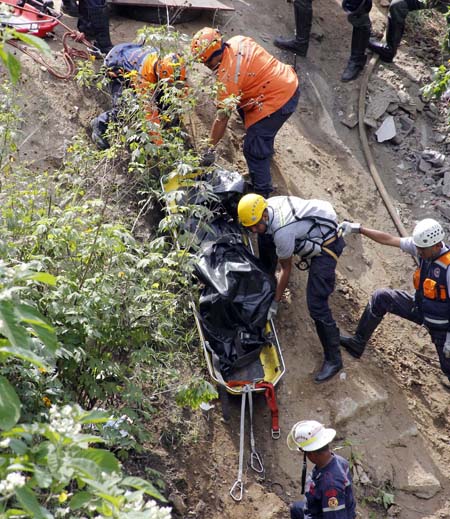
208 157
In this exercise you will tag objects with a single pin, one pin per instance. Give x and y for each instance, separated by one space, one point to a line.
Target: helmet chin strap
304 467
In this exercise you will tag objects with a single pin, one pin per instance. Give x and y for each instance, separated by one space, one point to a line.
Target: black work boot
98 129
69 7
367 324
303 22
83 23
99 19
388 50
358 58
94 23
329 337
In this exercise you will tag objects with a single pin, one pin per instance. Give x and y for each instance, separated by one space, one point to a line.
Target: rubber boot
98 129
70 7
388 50
358 58
303 22
83 23
99 18
329 337
367 325
94 23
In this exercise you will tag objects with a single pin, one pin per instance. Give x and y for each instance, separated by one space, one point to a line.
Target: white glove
350 228
446 349
273 309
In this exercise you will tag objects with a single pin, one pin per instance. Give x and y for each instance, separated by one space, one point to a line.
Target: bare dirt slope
389 407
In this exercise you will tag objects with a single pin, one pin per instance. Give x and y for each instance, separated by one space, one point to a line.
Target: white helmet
427 233
309 435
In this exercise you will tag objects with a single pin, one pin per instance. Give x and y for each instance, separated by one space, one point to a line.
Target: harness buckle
303 264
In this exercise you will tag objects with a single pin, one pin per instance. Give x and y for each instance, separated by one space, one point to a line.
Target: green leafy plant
439 87
195 392
51 470
382 497
8 59
110 324
27 336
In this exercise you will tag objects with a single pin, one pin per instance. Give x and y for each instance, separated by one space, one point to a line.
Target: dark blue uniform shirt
329 493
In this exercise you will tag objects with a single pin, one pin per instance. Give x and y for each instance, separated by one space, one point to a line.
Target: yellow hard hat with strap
251 208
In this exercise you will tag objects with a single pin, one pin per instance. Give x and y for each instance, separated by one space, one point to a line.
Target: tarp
234 302
225 189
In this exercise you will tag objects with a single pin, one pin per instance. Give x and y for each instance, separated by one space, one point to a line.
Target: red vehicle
33 17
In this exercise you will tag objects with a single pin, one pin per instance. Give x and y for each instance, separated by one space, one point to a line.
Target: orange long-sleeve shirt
261 82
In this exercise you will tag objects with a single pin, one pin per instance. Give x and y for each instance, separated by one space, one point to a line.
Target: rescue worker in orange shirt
264 91
139 66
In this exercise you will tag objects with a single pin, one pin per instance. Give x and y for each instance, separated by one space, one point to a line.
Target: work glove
446 349
349 228
273 309
208 157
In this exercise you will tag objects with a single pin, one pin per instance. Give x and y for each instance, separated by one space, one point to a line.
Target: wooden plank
209 5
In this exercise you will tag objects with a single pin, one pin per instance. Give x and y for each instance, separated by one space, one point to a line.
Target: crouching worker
140 67
307 228
264 91
329 492
428 306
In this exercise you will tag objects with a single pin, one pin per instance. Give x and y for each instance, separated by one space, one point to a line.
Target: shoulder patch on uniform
333 502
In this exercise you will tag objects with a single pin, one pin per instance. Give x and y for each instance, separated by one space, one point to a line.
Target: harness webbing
317 222
304 468
271 401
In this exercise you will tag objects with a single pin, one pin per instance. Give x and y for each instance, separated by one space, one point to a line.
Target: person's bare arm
283 278
380 237
218 128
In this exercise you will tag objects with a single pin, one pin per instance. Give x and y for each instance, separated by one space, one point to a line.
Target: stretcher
259 373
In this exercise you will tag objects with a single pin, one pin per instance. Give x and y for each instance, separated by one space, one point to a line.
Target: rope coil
69 53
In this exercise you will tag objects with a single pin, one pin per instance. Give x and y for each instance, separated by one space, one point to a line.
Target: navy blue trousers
321 277
402 303
321 283
298 510
118 62
259 145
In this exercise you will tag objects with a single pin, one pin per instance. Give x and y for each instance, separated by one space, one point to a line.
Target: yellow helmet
171 67
251 208
206 43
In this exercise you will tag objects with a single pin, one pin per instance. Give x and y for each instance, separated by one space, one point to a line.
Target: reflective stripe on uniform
333 509
238 62
436 321
443 260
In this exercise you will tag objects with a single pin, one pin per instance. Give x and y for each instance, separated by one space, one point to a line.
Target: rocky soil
390 410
